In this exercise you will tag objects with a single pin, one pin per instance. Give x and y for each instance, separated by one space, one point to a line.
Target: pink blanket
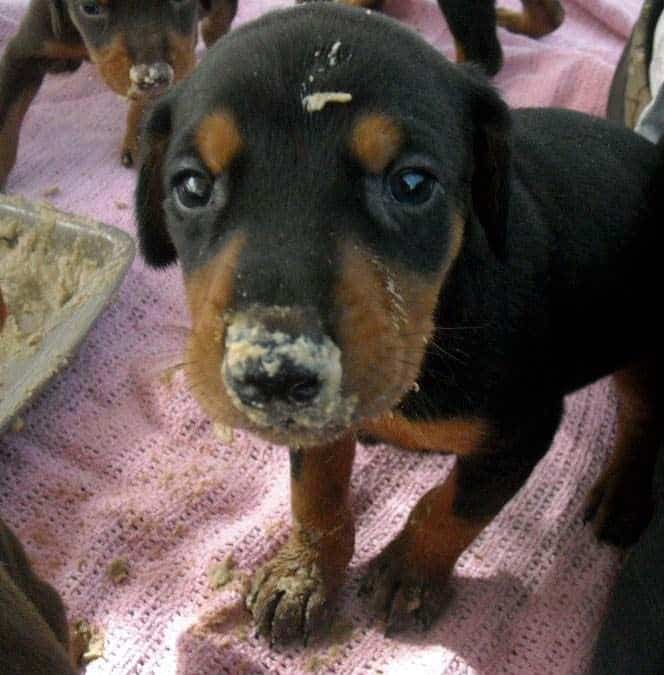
114 463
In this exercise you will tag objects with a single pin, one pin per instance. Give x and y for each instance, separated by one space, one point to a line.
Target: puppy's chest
461 435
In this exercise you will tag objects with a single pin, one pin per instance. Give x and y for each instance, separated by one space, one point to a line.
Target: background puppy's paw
127 158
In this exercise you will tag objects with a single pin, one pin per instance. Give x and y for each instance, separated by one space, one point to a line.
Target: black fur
563 200
557 282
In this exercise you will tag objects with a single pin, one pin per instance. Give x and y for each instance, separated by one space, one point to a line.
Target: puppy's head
140 47
317 177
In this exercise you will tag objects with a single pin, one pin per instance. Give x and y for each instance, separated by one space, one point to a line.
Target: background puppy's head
317 177
140 47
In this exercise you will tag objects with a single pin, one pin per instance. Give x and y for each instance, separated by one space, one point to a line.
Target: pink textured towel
115 464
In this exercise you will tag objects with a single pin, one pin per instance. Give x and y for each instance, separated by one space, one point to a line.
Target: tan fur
434 537
460 436
60 50
218 141
320 494
134 116
209 291
376 140
114 64
182 56
460 52
538 18
362 3
384 320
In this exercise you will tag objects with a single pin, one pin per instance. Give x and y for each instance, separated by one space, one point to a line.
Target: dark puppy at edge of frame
34 636
406 258
139 49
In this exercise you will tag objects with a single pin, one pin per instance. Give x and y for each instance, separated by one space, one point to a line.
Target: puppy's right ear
153 238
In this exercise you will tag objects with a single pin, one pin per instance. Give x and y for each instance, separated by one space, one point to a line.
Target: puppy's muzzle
281 379
150 79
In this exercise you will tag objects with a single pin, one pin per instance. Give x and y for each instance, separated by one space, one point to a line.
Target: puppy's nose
151 79
259 384
280 369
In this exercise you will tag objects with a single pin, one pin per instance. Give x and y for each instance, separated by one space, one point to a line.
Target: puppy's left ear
154 241
492 159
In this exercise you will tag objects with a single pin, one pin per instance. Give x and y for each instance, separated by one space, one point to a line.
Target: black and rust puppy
373 243
473 25
139 48
34 636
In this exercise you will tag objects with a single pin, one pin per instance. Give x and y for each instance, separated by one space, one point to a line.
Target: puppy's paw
290 599
404 590
620 506
127 158
129 150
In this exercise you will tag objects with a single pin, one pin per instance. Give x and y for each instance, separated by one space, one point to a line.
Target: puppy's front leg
407 580
20 79
130 141
39 47
292 594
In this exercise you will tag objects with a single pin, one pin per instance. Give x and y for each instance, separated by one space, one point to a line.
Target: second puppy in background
473 25
139 48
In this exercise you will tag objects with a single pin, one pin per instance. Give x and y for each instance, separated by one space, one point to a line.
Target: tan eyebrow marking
218 141
375 141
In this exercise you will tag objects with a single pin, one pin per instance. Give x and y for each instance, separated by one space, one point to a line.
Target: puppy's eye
192 189
91 8
411 186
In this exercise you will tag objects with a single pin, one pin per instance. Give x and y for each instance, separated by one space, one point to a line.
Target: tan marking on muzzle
114 64
385 318
182 57
384 322
209 293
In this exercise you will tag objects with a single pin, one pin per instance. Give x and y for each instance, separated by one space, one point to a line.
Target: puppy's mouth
287 385
149 81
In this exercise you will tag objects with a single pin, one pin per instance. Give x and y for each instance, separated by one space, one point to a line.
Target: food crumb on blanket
232 620
52 191
40 282
223 433
222 573
86 642
118 570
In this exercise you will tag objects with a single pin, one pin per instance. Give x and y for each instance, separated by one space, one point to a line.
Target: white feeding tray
82 263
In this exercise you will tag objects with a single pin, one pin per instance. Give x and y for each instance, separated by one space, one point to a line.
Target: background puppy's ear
153 238
217 17
492 159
